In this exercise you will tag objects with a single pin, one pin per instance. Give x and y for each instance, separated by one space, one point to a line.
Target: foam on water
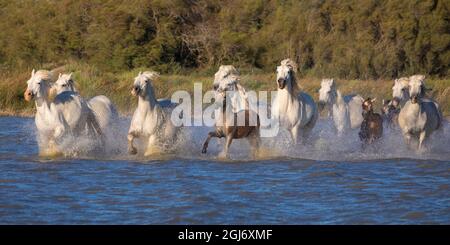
324 144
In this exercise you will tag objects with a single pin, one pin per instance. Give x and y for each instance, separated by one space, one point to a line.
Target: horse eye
63 85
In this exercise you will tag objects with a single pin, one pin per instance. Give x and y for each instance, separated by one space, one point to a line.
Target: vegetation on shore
353 39
90 82
364 44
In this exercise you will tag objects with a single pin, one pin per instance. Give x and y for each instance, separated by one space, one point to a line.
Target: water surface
327 181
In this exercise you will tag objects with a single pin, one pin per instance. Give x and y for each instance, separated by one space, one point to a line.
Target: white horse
400 90
294 110
151 121
420 116
346 111
68 114
103 109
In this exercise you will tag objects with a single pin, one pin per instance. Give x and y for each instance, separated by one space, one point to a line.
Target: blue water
191 189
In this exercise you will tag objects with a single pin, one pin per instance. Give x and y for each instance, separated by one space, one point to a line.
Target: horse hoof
204 151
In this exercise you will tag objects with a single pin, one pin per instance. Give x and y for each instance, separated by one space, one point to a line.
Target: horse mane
44 75
153 75
417 77
229 69
404 81
421 79
293 67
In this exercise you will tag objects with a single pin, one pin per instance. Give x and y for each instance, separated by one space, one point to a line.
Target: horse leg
210 135
294 134
407 136
422 137
254 141
153 145
131 148
229 139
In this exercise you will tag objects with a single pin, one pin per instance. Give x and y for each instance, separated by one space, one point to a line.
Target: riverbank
91 81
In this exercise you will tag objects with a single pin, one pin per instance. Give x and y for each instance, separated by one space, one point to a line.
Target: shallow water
329 180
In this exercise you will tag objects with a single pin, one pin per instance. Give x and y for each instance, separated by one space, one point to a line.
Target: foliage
354 39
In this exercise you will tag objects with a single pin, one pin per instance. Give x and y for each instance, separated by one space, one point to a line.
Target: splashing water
323 144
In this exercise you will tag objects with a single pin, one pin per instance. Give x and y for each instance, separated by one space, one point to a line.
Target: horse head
416 88
64 83
142 84
38 85
327 92
286 74
367 105
226 85
400 89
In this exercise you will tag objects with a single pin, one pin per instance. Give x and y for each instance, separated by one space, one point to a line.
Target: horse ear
33 72
140 73
59 76
373 100
70 75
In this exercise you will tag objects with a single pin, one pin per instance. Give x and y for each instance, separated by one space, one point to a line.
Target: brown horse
372 125
230 128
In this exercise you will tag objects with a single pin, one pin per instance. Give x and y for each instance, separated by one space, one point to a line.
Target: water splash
324 144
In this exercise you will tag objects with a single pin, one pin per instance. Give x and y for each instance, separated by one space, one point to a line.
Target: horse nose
134 90
280 82
28 95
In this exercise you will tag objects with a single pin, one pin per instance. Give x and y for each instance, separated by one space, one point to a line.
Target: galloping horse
151 121
102 107
372 125
420 116
296 111
346 110
231 122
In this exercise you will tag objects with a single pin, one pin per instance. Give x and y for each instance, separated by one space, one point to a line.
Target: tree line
365 39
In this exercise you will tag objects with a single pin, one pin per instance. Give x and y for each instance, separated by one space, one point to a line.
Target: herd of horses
62 111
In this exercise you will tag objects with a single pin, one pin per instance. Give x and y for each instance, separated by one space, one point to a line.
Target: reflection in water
326 181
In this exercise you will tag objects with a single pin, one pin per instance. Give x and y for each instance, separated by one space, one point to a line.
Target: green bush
355 39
